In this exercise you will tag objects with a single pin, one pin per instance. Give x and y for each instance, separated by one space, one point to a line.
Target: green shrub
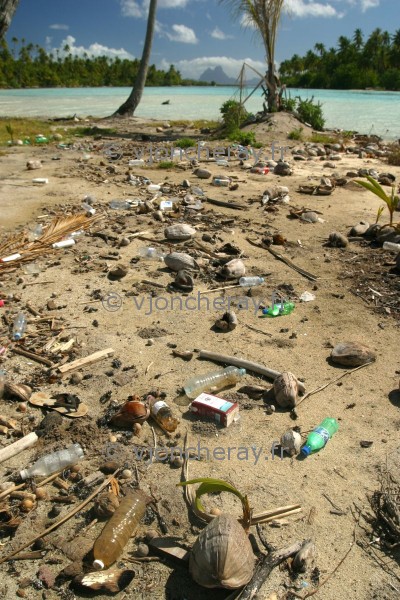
165 164
246 138
184 143
288 104
296 134
394 155
233 115
311 113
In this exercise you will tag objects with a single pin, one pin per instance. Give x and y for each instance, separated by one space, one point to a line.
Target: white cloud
366 4
182 34
194 68
94 49
305 8
59 26
140 8
219 35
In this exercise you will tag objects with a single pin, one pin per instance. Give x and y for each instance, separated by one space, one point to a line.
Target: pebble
150 342
126 474
202 173
76 378
142 550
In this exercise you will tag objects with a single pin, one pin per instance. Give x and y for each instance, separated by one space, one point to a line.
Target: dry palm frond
57 230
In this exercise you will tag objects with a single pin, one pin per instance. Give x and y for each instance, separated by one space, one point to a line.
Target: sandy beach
356 291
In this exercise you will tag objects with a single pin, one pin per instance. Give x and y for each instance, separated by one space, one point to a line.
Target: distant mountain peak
218 75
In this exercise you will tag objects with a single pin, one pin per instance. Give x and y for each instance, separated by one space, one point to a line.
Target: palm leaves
391 200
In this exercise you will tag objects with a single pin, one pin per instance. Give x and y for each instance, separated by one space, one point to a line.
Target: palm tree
264 15
128 108
7 10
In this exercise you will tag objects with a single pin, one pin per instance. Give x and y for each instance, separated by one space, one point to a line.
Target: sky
192 34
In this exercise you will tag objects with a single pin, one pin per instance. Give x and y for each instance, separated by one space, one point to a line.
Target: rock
283 168
118 272
228 322
372 231
46 576
31 165
360 229
388 234
202 173
330 165
352 354
309 216
338 240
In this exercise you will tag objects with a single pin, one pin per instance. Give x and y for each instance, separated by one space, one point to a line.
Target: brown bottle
111 542
162 414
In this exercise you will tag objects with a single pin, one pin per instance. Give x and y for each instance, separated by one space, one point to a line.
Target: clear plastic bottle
221 181
56 461
222 162
116 534
19 326
119 204
136 162
212 381
64 243
162 414
88 209
197 191
320 436
150 253
277 310
251 281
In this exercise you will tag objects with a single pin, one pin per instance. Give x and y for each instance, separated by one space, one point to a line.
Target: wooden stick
233 205
18 446
32 356
264 569
287 262
61 521
239 362
88 360
322 387
37 283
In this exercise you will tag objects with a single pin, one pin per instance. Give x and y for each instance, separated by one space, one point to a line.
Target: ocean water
363 111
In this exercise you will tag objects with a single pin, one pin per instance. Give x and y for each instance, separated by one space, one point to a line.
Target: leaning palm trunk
265 15
130 105
7 10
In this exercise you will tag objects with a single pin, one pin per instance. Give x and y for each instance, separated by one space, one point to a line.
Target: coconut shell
286 389
179 261
222 556
352 354
179 232
233 269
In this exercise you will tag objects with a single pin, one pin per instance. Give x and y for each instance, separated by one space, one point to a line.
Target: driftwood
264 569
226 204
22 444
287 262
240 363
83 362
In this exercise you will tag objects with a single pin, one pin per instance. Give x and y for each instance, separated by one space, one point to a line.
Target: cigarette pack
218 409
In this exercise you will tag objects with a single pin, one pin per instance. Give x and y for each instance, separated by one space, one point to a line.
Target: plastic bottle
320 436
19 326
162 414
391 246
119 204
153 187
212 381
197 191
56 461
116 534
222 162
221 182
251 281
88 209
136 162
150 253
277 310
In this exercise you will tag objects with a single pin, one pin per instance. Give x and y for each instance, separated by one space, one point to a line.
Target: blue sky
192 34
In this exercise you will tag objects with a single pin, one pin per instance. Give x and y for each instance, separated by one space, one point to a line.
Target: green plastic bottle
282 308
320 436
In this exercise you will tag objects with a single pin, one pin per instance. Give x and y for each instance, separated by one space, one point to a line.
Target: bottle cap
17 336
98 564
306 450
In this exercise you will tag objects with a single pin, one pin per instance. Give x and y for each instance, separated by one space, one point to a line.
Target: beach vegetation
234 115
296 134
165 164
391 200
12 129
356 63
245 138
184 142
310 112
394 155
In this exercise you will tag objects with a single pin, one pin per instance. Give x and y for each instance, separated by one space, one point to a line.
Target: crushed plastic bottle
19 326
56 461
197 191
116 534
150 253
136 162
320 436
212 381
222 162
88 209
119 204
391 246
221 181
277 310
251 281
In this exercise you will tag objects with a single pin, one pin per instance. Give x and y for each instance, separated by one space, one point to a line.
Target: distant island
217 76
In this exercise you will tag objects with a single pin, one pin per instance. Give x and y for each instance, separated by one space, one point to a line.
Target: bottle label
157 406
324 433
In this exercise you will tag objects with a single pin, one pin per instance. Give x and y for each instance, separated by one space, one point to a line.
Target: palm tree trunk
272 88
128 108
7 10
